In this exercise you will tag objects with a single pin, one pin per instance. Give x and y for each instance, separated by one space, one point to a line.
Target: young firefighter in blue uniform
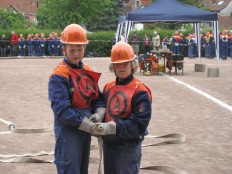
50 44
30 45
230 44
43 45
207 44
21 44
128 112
56 44
224 45
36 44
212 50
74 95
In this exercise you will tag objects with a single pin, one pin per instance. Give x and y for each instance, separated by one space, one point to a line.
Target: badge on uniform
142 107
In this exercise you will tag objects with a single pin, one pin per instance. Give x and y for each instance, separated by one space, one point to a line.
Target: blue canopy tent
172 11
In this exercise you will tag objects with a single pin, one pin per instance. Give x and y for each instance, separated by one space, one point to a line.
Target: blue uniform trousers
21 51
224 50
175 50
212 50
36 50
29 50
56 50
123 158
72 150
191 52
42 50
207 50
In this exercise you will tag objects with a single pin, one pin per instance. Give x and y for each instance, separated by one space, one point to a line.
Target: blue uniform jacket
133 128
21 42
60 97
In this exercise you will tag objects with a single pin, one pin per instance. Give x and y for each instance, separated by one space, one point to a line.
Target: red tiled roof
224 21
145 2
26 7
131 4
214 6
127 9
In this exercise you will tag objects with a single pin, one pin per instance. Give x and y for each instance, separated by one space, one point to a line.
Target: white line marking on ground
201 93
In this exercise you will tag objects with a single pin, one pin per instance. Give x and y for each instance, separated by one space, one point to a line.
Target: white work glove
98 115
104 128
87 125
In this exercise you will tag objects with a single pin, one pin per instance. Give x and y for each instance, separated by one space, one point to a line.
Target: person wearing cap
156 41
128 112
75 100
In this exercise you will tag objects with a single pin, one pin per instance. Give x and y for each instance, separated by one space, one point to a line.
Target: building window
137 4
220 2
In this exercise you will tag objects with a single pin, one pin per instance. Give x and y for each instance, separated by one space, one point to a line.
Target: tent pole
197 35
127 29
216 36
118 33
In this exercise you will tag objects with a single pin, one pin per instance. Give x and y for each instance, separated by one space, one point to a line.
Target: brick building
224 10
27 8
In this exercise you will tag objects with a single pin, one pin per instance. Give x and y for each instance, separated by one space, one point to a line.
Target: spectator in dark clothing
3 45
14 43
134 40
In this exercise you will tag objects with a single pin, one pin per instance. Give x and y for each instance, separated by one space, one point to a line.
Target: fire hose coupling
100 128
11 126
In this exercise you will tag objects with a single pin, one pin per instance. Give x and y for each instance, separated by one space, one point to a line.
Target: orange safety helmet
122 52
74 34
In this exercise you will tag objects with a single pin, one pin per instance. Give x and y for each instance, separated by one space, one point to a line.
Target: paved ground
176 109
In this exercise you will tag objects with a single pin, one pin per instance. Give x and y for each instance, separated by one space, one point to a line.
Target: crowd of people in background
40 45
31 45
184 45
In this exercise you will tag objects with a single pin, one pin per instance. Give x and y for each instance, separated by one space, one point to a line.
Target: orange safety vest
85 84
118 102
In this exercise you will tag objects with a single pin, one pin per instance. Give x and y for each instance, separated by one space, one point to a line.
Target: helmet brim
116 62
76 43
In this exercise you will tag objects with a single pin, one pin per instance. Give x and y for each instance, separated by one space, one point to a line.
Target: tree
59 13
109 20
9 20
